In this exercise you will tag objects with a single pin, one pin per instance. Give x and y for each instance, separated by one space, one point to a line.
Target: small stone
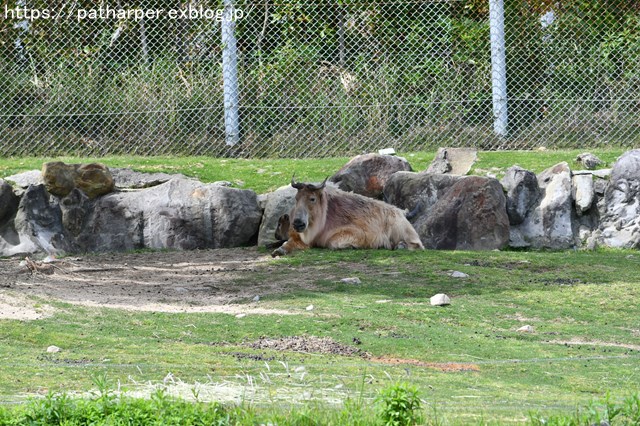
589 161
440 299
241 315
53 349
256 299
526 329
458 274
299 369
351 280
309 308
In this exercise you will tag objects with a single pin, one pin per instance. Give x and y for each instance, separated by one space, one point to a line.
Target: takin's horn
321 186
296 185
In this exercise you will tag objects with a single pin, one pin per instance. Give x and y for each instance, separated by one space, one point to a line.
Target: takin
328 217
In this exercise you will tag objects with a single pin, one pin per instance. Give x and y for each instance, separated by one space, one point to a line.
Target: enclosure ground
234 325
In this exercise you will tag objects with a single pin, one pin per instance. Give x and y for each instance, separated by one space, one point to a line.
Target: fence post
498 67
230 75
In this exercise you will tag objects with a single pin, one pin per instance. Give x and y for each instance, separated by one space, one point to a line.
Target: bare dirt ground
193 281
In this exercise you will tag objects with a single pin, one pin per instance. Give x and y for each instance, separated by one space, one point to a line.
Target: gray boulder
179 214
277 203
471 215
367 174
583 193
440 163
455 161
549 223
131 179
37 226
452 212
522 192
589 161
8 201
620 220
417 192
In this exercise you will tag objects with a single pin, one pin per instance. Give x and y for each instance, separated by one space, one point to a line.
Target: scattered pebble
299 369
458 274
383 301
526 329
256 299
352 280
440 299
53 349
309 308
241 315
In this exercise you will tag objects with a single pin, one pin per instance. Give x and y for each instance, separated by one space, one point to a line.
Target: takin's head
309 204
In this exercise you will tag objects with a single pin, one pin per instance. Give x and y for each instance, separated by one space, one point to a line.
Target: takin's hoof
402 246
278 252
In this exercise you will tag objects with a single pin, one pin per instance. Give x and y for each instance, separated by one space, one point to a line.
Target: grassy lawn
467 360
263 175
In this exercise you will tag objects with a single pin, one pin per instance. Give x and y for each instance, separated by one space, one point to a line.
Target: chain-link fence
315 78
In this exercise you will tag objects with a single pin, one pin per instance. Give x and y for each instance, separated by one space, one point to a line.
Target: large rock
549 223
463 213
470 216
583 193
367 174
589 161
130 179
522 191
277 203
93 179
179 214
417 192
8 201
620 221
37 226
454 161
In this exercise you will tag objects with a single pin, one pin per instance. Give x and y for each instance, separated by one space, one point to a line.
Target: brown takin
327 217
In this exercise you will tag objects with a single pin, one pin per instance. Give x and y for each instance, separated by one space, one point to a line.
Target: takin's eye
312 199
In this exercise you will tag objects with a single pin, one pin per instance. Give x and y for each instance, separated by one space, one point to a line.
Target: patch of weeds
399 405
606 412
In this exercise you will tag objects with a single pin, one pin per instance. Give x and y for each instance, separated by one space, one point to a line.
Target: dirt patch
224 280
18 307
448 367
307 344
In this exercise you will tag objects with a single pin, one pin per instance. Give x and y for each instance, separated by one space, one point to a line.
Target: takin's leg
346 238
293 243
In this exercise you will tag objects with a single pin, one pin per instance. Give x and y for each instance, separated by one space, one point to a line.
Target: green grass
468 362
267 175
583 306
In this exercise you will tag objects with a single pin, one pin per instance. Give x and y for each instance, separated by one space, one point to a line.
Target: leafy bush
399 405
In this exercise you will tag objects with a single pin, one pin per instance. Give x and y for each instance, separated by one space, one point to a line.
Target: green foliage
420 74
605 412
400 405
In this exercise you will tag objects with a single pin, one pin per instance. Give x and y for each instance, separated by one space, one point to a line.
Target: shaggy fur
330 218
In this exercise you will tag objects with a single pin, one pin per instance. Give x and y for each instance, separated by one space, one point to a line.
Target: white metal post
230 75
498 67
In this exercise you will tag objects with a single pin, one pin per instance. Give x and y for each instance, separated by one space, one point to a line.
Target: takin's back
355 221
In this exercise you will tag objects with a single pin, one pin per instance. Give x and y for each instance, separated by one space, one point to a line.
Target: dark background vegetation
319 78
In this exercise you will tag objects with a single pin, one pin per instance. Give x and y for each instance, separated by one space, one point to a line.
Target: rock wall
557 209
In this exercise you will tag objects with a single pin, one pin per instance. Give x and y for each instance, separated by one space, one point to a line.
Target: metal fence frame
316 79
